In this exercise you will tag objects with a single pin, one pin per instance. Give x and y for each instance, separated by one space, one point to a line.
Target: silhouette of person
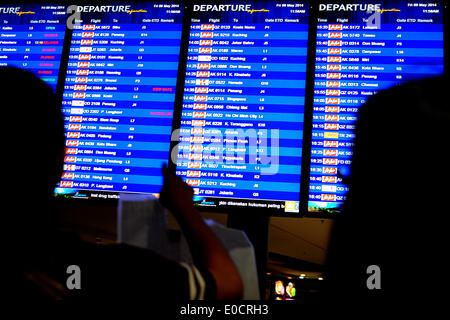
32 157
393 217
32 154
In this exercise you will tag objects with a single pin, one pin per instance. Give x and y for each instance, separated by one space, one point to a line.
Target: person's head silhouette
32 159
397 198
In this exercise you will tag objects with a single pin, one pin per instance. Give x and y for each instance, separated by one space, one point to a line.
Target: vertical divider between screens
179 94
308 115
59 92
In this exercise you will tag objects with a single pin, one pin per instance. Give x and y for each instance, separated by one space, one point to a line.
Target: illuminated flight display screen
241 131
32 38
119 98
361 49
252 103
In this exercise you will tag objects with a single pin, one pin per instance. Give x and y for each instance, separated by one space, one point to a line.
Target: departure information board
361 49
236 129
119 98
32 38
241 132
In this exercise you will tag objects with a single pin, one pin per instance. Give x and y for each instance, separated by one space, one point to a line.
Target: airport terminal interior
252 103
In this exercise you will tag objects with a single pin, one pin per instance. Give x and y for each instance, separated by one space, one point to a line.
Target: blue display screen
242 118
358 53
119 98
236 94
32 38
